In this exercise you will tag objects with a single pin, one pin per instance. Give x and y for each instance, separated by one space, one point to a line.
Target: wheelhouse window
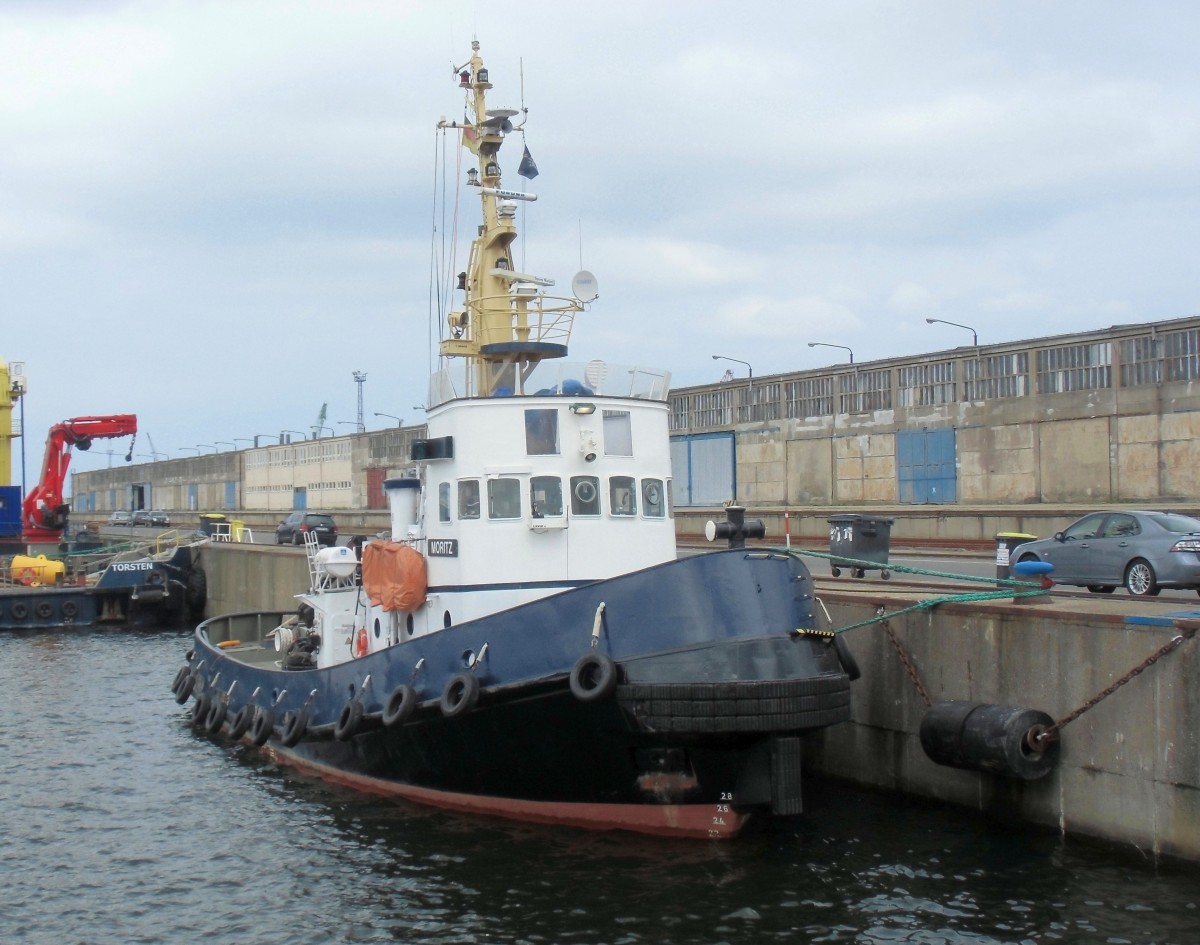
654 498
618 433
468 498
504 498
622 495
545 496
443 501
585 495
541 432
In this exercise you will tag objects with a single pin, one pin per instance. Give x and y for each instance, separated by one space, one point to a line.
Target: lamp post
278 438
317 432
749 380
942 321
182 448
226 443
209 445
242 439
399 420
822 344
299 433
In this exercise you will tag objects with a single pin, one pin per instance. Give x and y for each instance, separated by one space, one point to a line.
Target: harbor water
123 825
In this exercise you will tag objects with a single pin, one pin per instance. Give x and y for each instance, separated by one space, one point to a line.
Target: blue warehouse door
703 469
926 464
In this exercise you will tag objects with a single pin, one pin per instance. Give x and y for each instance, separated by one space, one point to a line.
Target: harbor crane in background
44 511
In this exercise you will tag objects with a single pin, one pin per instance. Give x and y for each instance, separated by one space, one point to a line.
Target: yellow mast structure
12 386
507 324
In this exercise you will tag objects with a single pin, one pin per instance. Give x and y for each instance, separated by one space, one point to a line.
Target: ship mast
507 324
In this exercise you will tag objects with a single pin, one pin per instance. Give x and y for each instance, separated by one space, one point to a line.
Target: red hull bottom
691 821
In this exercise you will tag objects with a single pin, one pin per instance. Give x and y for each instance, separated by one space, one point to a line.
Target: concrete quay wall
1129 769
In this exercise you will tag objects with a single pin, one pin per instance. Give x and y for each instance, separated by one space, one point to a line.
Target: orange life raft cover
394 576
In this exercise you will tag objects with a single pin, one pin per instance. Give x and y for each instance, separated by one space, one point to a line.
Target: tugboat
528 644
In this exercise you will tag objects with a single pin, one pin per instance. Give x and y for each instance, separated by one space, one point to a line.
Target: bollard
735 528
1033 569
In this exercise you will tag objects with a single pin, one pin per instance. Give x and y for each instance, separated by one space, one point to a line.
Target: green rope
1019 588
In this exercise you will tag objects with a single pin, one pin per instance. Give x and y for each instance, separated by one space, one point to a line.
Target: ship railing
566 378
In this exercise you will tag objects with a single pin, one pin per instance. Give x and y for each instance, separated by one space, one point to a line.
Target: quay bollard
1033 569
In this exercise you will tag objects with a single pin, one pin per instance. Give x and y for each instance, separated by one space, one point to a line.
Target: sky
214 212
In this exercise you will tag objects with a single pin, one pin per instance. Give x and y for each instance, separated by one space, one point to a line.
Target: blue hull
712 689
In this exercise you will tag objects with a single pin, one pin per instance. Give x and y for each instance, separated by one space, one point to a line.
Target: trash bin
236 529
209 522
1005 543
862 538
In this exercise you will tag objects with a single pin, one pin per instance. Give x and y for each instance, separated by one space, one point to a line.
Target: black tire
197 590
241 721
70 609
846 658
296 539
1140 579
184 672
19 611
295 723
216 715
200 707
349 719
460 695
593 677
1101 588
262 726
401 703
45 610
185 688
836 572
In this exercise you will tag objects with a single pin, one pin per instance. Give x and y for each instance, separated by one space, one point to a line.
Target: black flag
527 168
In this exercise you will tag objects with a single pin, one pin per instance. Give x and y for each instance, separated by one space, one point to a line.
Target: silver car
1144 551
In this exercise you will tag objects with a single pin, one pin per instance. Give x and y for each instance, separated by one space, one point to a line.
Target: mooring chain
1051 732
908 666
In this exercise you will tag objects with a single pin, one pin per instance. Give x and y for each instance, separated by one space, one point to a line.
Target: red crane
44 513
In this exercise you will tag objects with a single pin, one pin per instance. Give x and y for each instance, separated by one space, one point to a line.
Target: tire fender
349 719
401 702
593 677
460 695
295 723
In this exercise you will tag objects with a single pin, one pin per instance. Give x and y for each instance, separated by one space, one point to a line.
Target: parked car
140 517
292 528
160 518
1144 551
119 518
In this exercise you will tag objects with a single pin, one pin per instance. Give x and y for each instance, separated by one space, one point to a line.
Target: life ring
460 695
360 642
846 658
20 611
593 677
400 704
70 609
585 491
27 576
216 715
241 721
45 610
348 721
294 724
262 726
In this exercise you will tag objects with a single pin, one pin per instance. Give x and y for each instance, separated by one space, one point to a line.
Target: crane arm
44 513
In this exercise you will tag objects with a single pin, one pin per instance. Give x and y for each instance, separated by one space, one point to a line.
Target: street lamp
822 344
182 448
226 443
399 420
242 439
300 433
210 446
721 357
317 432
942 321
